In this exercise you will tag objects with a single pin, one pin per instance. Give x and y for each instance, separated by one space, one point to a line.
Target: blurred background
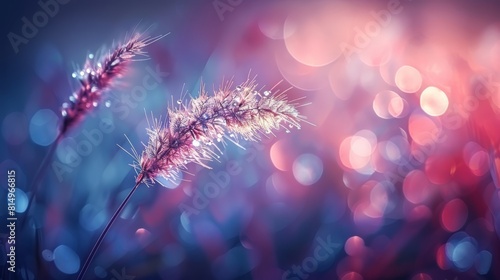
397 179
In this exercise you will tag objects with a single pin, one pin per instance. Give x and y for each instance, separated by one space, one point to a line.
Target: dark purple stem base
105 231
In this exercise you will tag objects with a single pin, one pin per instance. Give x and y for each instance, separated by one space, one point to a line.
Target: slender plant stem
105 231
38 177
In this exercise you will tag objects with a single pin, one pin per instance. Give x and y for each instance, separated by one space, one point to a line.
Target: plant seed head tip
98 76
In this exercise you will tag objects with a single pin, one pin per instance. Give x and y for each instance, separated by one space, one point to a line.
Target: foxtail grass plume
97 77
194 132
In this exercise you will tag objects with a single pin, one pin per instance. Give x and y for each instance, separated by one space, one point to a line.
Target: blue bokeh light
483 262
43 127
21 201
66 260
307 169
91 218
